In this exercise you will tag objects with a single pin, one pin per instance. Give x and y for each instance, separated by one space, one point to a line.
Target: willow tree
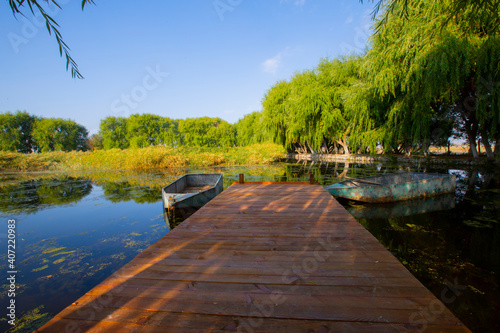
309 101
339 78
221 134
488 8
276 109
40 8
309 111
206 132
426 65
251 129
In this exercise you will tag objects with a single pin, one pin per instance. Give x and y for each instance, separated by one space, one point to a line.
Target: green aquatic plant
40 268
131 243
53 249
60 260
31 320
6 287
63 252
118 256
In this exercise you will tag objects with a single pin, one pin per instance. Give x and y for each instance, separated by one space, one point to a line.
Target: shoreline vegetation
455 155
149 158
434 159
163 158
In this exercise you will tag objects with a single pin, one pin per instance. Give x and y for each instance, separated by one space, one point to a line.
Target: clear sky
177 59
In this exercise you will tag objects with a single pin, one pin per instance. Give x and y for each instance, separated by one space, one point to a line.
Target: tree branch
52 27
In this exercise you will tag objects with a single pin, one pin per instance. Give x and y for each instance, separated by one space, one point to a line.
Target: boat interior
392 179
192 183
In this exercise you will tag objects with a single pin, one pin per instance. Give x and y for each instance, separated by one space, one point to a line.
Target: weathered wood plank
125 320
261 257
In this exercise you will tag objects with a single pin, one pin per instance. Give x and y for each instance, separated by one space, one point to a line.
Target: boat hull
173 197
405 186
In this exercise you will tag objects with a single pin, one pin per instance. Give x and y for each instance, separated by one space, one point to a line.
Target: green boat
394 187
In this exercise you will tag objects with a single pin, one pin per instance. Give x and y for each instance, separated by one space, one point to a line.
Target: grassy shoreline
154 157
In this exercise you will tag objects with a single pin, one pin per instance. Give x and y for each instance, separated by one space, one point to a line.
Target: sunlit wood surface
262 258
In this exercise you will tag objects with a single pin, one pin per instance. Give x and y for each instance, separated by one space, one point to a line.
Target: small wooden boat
191 191
394 187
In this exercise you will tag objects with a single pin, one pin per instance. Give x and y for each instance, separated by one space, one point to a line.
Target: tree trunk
324 148
473 148
303 149
471 182
310 148
344 172
497 145
468 114
343 143
407 150
425 147
471 132
488 178
487 146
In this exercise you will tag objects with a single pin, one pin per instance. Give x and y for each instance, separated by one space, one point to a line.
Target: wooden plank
261 257
394 310
181 286
126 320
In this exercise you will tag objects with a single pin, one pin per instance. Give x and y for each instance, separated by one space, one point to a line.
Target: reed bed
153 157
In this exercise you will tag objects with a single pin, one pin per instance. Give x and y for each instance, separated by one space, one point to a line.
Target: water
74 230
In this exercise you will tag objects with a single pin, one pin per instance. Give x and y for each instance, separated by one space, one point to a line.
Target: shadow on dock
261 258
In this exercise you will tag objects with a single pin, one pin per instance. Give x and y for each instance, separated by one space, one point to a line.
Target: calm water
74 230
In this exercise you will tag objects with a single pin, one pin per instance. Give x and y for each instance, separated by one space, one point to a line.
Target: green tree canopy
35 7
144 130
251 129
309 111
207 132
15 132
55 134
114 132
425 66
277 111
479 14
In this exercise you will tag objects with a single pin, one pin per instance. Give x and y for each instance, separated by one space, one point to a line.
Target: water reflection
458 245
72 233
77 229
401 208
175 216
34 195
124 191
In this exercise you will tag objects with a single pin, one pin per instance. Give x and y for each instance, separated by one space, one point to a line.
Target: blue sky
177 59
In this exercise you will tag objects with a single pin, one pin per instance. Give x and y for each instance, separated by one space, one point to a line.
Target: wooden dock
262 257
